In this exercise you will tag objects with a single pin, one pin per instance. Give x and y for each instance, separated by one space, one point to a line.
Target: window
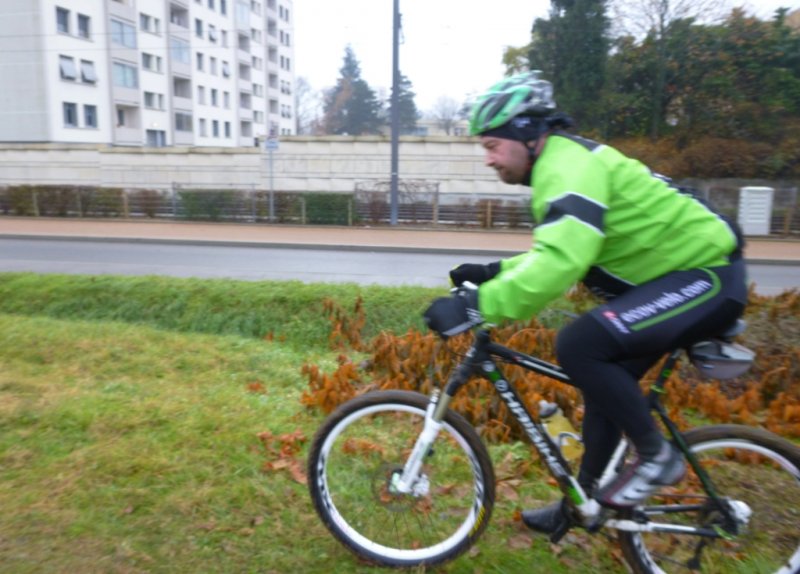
182 88
120 117
154 101
255 7
151 62
211 4
214 97
286 39
67 67
224 34
201 95
62 20
179 50
212 33
223 7
183 122
258 117
156 138
149 23
212 66
84 26
198 27
200 61
226 99
226 69
87 72
90 116
258 90
201 126
227 129
215 128
70 115
123 34
124 76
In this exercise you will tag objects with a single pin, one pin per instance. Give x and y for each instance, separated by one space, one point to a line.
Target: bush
212 205
328 208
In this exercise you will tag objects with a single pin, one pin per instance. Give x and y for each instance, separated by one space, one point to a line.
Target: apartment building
146 72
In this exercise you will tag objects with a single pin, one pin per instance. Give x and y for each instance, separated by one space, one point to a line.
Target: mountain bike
402 480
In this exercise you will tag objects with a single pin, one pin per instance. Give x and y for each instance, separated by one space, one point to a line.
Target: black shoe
641 478
547 520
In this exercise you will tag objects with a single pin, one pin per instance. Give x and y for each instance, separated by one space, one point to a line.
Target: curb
320 246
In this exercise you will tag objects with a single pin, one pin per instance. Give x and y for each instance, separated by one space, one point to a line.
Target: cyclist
669 268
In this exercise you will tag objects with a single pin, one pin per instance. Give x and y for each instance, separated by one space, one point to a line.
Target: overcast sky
450 47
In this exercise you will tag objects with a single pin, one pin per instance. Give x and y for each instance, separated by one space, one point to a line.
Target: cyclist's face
508 157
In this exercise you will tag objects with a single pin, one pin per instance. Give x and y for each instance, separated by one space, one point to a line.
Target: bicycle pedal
598 521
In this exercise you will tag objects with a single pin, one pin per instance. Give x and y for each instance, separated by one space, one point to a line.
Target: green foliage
328 208
691 86
351 106
406 108
577 30
207 204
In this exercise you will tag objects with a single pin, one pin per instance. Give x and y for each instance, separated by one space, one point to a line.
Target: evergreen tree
351 107
571 49
406 108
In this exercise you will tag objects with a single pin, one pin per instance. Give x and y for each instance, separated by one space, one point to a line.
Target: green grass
129 431
289 310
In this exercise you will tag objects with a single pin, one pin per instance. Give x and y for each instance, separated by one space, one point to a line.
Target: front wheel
354 460
756 474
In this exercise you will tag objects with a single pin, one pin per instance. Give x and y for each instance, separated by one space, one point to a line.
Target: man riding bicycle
669 267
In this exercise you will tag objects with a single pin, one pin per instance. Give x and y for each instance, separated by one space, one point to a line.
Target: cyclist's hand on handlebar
476 273
452 315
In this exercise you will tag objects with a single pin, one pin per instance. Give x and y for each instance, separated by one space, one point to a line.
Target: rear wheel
757 475
358 453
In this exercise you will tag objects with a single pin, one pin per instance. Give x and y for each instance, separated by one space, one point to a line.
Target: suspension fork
434 416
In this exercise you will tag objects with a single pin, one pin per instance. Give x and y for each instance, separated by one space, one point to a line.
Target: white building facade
146 72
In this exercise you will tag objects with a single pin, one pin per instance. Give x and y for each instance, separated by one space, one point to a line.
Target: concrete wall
316 164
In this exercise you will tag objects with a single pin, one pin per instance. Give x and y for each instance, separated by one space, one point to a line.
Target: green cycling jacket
607 220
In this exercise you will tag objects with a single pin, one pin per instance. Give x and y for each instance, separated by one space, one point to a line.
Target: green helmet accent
521 95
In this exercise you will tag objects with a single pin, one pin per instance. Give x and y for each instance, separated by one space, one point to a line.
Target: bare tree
446 112
307 105
639 18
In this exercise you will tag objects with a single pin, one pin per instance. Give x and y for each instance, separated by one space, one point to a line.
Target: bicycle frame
480 359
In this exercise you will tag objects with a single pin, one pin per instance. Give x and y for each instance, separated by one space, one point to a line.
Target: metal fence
419 203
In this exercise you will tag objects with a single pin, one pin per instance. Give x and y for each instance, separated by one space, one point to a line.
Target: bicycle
402 481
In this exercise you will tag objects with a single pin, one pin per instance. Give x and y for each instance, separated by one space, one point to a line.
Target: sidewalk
500 243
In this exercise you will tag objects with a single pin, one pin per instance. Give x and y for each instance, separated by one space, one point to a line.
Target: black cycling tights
611 394
606 351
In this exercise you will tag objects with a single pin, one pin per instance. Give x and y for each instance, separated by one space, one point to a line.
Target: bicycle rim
747 465
355 462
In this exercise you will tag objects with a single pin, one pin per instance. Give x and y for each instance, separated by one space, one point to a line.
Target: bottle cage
719 359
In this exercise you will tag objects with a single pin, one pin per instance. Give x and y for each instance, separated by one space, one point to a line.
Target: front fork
408 482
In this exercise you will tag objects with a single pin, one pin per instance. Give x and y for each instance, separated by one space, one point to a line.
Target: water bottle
561 430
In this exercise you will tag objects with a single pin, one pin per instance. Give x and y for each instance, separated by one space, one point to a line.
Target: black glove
452 315
476 273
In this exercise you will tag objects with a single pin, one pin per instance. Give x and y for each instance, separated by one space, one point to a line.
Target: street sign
271 144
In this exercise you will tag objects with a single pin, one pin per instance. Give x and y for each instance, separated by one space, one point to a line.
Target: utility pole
393 192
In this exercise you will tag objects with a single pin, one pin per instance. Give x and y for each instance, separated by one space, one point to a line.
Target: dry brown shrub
768 396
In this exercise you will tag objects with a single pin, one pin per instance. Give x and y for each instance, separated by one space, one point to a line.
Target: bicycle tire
367 437
746 464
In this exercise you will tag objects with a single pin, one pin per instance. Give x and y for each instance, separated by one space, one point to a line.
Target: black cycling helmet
524 94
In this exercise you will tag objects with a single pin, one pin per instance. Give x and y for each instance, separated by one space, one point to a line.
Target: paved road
365 267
